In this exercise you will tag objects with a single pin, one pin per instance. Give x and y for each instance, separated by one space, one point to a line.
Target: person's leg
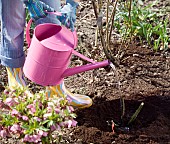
80 101
12 40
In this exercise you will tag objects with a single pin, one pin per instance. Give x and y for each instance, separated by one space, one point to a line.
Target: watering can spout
79 69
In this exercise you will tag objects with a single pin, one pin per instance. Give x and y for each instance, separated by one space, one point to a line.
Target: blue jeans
12 17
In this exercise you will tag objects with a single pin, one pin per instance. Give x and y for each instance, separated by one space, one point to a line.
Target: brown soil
142 76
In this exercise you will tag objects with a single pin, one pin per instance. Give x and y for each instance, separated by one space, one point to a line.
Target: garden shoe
16 79
75 100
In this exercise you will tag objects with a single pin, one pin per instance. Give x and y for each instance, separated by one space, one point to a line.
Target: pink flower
26 138
47 115
15 128
25 118
69 100
33 110
71 108
53 127
30 106
57 110
70 123
45 134
49 109
74 123
42 133
37 119
58 127
15 113
3 133
34 102
32 138
11 93
6 92
36 138
10 102
40 105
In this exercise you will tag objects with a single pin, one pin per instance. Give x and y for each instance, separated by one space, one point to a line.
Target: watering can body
49 55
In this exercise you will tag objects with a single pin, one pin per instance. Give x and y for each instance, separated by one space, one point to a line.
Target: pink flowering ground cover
34 118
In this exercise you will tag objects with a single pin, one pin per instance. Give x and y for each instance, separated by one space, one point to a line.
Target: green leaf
73 115
50 123
44 122
141 17
44 129
24 126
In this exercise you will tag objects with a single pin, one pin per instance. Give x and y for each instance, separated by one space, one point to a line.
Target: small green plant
133 20
34 119
163 38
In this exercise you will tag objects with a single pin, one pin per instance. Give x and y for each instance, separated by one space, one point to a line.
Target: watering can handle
28 39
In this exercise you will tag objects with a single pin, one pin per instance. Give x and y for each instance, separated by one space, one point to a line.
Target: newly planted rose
34 119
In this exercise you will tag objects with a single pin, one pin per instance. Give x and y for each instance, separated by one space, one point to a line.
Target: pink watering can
50 52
